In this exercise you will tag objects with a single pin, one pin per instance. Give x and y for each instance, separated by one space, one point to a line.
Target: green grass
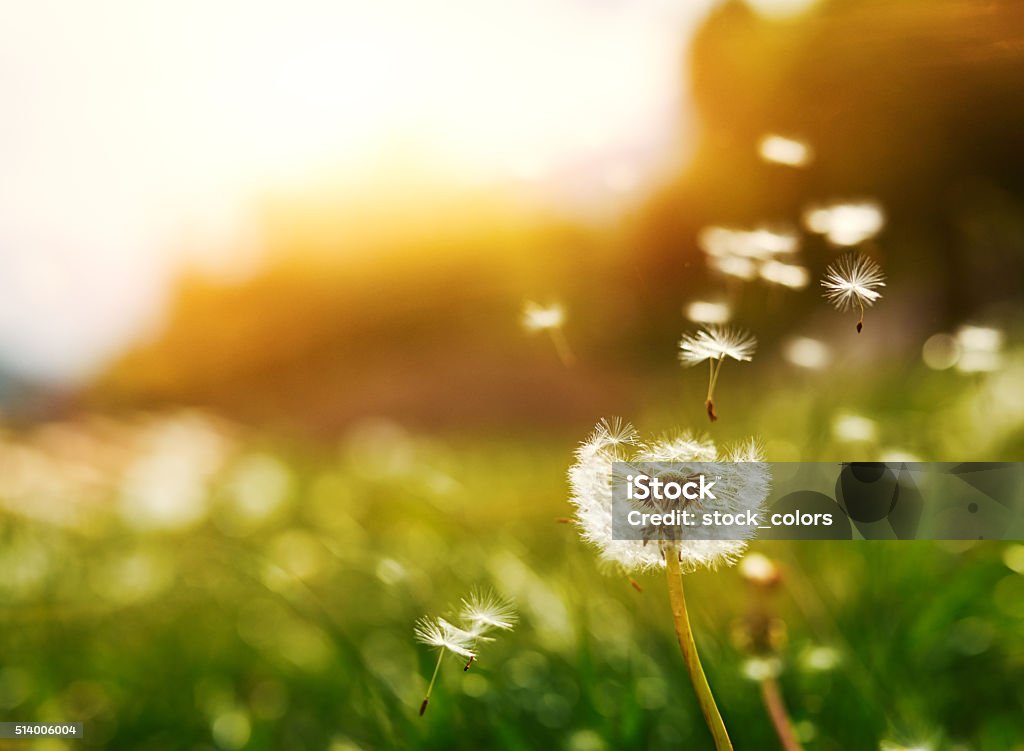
294 631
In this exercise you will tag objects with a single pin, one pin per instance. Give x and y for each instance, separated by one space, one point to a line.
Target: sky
138 137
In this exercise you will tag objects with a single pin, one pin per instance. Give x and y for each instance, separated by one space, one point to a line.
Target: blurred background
304 307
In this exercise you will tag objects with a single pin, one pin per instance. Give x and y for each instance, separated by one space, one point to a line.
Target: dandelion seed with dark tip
482 611
715 344
439 633
853 282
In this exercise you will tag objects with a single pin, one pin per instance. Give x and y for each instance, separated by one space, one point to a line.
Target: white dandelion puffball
743 486
538 317
853 281
846 224
716 343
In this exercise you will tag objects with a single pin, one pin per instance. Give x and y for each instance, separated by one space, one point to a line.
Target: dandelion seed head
484 610
437 632
743 484
538 317
853 281
782 150
785 274
716 342
808 353
700 311
682 447
845 224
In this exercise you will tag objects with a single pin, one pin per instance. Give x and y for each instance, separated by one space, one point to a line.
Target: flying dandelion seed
484 610
852 282
700 311
845 224
549 318
437 632
714 344
786 151
481 612
745 482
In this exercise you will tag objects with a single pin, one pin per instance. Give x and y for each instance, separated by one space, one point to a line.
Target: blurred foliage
405 301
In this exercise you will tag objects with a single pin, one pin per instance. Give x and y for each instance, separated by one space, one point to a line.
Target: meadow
211 586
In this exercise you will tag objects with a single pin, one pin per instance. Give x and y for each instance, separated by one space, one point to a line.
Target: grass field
279 614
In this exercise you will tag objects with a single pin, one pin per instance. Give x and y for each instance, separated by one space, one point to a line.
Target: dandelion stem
562 348
776 707
433 678
688 647
715 368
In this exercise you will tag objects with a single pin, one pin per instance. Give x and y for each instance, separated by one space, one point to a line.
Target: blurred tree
911 102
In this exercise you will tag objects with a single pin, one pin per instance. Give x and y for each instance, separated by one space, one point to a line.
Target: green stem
688 647
433 678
